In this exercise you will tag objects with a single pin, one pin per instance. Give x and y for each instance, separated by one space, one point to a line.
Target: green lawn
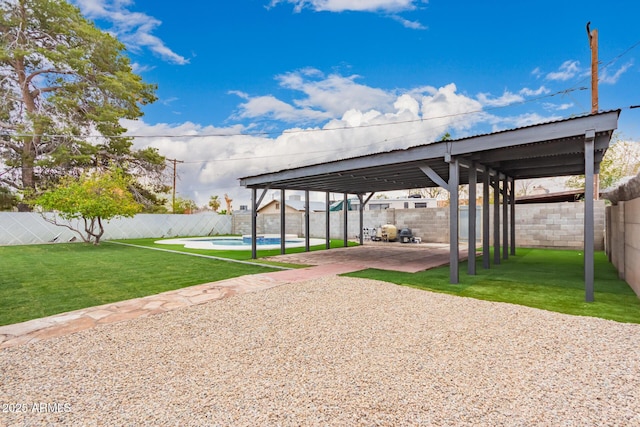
41 280
233 254
542 278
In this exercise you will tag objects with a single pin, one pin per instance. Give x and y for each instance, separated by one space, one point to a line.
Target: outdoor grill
405 235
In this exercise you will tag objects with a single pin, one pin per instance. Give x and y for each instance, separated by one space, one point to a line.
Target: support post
345 212
588 215
361 218
328 221
307 226
486 224
283 224
496 220
471 249
454 181
505 218
512 201
254 223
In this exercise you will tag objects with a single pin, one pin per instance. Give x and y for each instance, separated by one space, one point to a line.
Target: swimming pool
263 241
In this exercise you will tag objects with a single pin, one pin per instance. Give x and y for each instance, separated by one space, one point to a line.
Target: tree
65 85
7 199
184 206
525 186
93 198
214 203
622 159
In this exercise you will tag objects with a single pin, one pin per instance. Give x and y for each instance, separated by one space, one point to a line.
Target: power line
316 130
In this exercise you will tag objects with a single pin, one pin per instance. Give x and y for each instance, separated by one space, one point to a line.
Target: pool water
263 241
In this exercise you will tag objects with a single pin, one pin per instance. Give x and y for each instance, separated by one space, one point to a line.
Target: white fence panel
23 228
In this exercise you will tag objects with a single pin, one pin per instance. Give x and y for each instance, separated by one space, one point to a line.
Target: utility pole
593 45
175 174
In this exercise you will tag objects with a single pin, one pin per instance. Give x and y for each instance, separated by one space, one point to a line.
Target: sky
253 86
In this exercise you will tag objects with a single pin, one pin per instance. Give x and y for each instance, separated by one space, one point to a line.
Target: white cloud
413 25
324 98
134 29
353 5
512 122
534 92
536 72
607 78
216 157
270 107
507 98
557 107
567 70
390 7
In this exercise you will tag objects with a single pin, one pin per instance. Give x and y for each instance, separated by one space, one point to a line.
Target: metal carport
573 146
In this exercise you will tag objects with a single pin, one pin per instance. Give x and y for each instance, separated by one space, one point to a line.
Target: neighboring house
382 204
292 205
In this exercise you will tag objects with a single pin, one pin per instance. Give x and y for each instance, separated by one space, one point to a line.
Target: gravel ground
333 351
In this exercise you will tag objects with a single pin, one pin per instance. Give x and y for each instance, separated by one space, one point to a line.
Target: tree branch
54 221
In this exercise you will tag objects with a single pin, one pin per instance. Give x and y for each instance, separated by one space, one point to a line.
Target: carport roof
543 150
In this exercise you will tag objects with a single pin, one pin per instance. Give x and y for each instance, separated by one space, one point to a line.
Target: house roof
299 205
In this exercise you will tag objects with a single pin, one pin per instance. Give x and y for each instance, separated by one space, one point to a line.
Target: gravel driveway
332 351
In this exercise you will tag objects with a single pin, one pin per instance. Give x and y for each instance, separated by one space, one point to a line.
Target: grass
41 280
542 278
236 254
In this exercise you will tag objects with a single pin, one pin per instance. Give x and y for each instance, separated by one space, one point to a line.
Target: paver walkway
408 258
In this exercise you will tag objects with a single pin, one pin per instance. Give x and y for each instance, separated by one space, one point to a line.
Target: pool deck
387 256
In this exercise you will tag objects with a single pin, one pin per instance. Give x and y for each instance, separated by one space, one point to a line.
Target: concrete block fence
558 225
623 240
555 225
23 228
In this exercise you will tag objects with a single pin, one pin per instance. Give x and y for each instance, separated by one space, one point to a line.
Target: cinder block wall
557 225
623 241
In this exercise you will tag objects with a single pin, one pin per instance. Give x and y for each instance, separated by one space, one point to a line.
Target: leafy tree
7 199
65 85
214 203
93 198
184 206
622 159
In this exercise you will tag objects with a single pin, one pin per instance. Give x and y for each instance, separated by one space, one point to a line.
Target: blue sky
250 86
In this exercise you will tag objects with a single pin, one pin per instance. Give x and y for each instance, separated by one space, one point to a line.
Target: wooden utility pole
175 174
593 44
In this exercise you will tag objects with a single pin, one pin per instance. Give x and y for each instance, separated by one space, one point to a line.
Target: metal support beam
471 249
254 223
505 218
486 224
307 216
328 221
454 180
588 215
361 218
433 176
512 204
283 222
496 220
345 212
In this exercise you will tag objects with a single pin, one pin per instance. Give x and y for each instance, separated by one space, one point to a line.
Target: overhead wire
567 92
